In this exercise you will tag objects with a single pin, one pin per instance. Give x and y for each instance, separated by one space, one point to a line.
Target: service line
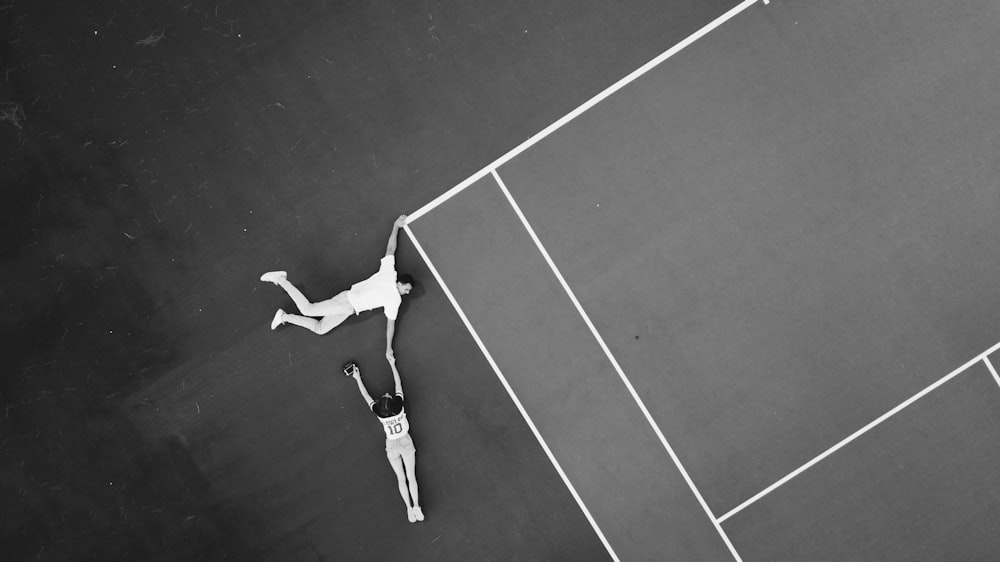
984 356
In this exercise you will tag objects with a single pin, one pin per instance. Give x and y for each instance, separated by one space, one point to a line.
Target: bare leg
410 460
397 467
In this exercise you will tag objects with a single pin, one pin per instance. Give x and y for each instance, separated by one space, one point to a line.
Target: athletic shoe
418 513
273 276
279 319
411 515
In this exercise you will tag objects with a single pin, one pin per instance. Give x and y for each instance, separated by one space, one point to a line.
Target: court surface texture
695 283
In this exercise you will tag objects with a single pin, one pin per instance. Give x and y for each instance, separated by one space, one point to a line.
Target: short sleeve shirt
378 291
397 426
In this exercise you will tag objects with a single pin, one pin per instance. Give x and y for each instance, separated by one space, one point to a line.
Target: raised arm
390 247
395 374
361 387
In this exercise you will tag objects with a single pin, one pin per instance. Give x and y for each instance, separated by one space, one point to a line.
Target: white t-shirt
396 427
378 291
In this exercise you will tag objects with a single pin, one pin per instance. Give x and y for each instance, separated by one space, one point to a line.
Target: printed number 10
396 428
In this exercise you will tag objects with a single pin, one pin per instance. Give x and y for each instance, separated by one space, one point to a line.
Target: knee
323 327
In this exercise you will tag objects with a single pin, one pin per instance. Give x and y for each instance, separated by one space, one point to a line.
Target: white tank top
396 426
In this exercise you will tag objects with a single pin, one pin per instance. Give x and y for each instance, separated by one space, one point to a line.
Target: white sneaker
273 276
279 319
411 515
418 513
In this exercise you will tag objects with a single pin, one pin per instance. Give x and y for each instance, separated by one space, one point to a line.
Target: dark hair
416 289
384 407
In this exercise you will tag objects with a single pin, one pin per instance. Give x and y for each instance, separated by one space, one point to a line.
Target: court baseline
486 170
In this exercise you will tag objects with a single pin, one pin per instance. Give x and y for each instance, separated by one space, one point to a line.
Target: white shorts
399 448
339 305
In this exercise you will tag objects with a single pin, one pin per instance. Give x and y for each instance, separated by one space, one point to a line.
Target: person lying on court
382 290
399 448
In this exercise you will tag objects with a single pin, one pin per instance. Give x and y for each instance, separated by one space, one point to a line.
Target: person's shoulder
388 260
391 308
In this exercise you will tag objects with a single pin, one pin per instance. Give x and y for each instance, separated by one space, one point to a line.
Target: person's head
404 283
384 406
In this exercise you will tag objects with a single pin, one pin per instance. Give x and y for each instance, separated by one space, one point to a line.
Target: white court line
617 367
576 112
510 391
989 365
982 356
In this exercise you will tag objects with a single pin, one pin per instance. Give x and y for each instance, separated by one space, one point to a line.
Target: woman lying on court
382 290
398 443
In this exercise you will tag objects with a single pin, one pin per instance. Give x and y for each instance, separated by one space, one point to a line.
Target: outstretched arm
390 330
361 387
390 247
395 374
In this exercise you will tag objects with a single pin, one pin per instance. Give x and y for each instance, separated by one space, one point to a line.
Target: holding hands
390 247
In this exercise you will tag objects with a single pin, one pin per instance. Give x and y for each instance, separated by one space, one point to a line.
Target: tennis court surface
740 305
745 298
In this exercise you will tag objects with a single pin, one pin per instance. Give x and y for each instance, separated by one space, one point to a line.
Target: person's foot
279 319
418 513
411 515
273 276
